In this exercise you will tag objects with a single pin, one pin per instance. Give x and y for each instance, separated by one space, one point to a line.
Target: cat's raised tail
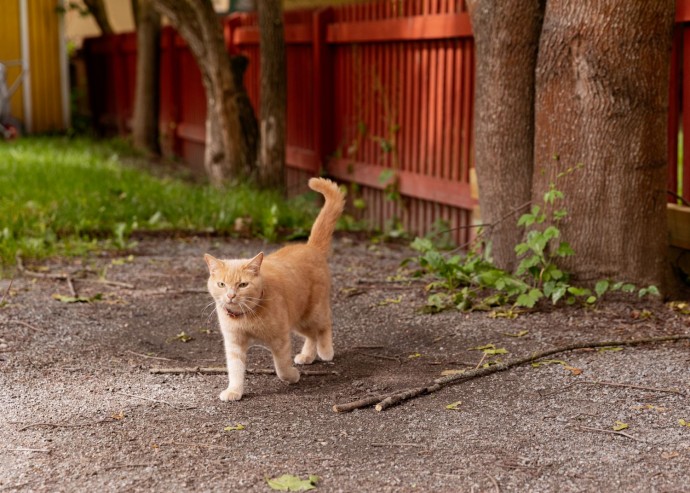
324 225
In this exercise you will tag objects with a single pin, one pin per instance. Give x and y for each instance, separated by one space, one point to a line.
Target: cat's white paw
326 354
230 395
304 359
291 375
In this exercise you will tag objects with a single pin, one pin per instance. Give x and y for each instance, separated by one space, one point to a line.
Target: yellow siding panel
44 47
10 49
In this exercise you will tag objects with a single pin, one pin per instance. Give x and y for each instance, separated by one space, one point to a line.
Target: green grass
71 196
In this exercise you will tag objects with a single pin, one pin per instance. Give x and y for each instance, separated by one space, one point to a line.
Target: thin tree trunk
231 129
506 36
100 15
273 92
601 100
145 121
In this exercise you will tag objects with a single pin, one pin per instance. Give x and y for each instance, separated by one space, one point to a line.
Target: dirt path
80 410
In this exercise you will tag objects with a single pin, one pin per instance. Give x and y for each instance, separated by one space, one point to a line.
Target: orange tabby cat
259 301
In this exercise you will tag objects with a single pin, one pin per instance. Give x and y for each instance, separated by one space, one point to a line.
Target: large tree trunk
231 129
145 120
601 100
506 35
273 92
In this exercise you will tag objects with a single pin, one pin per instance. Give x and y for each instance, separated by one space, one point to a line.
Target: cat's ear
255 264
213 263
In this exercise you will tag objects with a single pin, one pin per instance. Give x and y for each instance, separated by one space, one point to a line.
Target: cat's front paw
291 375
230 395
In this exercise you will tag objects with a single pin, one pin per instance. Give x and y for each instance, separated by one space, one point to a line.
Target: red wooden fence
371 87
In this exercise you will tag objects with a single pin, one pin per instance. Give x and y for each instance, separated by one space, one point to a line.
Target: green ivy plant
472 282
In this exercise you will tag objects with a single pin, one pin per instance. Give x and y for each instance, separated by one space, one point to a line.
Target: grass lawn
70 196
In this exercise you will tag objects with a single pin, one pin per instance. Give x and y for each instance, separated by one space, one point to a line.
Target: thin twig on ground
6 293
379 356
70 285
156 400
108 282
119 466
375 346
24 449
401 396
494 482
614 384
149 357
195 444
602 430
28 325
219 370
65 425
398 444
67 277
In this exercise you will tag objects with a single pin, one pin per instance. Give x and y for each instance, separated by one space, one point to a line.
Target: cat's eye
221 284
243 285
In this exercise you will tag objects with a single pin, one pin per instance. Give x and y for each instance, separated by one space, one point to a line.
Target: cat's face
236 285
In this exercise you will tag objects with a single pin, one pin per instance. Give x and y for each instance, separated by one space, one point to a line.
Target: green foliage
472 282
71 196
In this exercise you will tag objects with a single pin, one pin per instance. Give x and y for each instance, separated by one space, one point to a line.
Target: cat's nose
230 295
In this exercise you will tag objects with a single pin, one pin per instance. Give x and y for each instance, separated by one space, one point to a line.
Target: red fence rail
377 93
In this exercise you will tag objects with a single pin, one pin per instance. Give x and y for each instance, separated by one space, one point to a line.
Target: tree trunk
145 120
273 92
100 15
601 100
506 36
231 129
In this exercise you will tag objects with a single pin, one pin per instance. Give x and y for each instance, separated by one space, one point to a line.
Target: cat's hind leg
324 343
308 353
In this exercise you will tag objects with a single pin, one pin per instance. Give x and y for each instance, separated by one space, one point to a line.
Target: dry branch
602 430
220 370
7 292
66 425
401 396
157 401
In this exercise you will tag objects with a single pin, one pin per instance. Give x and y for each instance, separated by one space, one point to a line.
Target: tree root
392 399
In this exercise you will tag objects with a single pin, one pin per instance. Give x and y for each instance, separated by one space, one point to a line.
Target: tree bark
273 91
602 100
506 36
100 15
145 120
231 129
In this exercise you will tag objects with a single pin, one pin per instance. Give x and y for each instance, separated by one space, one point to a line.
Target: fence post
323 88
118 69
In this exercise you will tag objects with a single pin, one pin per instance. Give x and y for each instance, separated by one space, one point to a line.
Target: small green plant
472 282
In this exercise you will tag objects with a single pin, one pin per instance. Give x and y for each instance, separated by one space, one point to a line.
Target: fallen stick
439 383
66 425
7 292
180 408
220 370
149 357
67 277
614 384
602 430
24 449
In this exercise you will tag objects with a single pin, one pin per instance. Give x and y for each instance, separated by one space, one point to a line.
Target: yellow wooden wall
44 48
44 60
10 48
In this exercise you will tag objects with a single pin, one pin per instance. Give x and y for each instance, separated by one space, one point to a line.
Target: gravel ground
80 410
